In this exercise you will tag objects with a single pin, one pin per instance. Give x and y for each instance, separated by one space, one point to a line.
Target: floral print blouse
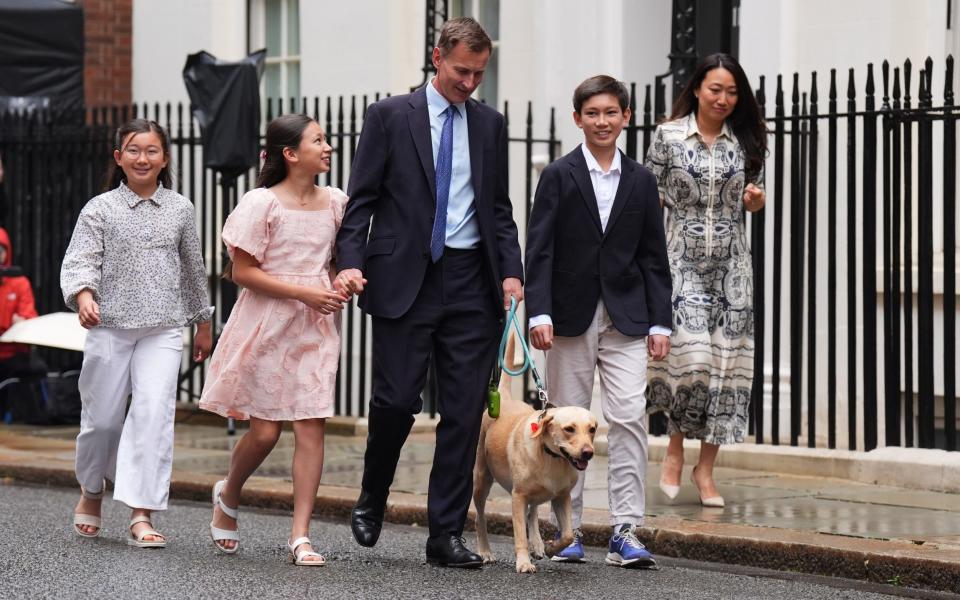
141 259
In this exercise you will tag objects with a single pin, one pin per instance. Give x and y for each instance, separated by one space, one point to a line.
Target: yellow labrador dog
534 455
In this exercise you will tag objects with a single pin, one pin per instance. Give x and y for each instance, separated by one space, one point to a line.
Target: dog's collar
554 454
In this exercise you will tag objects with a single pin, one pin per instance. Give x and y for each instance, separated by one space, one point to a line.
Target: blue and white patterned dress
704 385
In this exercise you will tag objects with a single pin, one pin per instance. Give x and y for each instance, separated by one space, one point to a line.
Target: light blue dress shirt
463 231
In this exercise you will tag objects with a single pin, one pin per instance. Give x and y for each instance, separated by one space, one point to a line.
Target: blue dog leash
493 394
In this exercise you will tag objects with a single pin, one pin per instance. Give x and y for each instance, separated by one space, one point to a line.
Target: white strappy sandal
139 540
298 557
88 520
221 535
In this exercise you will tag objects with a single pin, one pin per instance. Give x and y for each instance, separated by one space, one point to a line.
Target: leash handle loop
528 362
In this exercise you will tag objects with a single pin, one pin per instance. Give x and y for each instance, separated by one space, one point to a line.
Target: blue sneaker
572 553
625 550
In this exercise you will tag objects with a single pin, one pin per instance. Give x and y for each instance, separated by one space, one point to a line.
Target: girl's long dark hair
115 174
286 131
745 120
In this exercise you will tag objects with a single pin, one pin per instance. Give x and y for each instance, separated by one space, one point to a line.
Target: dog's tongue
580 464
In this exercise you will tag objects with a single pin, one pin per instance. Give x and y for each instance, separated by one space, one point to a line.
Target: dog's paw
525 566
488 557
553 547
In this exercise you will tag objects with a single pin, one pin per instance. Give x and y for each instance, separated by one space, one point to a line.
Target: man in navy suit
435 269
599 290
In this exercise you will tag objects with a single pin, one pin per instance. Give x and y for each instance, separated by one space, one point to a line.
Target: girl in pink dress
277 357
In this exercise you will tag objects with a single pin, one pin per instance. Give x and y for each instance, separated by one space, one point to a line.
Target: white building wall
360 47
164 33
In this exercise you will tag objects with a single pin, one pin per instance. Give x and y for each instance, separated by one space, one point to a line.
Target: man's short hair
466 30
600 84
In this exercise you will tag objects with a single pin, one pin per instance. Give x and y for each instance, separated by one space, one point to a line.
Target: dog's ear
539 426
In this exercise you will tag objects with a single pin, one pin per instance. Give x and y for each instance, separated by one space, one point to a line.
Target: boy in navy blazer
599 291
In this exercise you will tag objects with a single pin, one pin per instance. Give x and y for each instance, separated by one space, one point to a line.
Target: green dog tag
493 402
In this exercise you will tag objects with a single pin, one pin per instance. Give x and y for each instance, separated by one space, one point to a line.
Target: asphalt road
41 557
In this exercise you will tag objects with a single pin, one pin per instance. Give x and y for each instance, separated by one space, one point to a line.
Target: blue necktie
444 171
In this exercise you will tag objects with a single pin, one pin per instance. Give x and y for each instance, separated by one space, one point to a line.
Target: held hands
88 309
658 346
349 281
202 342
541 337
753 198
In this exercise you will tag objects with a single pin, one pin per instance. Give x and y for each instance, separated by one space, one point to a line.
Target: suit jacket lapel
419 121
475 133
582 177
628 178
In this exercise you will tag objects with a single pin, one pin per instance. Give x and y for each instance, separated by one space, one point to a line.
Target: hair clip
263 155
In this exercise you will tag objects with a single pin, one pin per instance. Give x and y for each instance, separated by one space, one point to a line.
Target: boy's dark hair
600 84
466 30
115 174
285 131
745 120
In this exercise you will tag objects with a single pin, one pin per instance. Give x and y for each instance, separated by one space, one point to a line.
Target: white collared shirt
605 183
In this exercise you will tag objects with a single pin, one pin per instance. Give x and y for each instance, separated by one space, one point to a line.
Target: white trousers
622 361
135 452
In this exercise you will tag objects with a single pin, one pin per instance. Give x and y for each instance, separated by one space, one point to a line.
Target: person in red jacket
16 304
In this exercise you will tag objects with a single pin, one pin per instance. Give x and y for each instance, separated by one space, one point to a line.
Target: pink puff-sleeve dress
277 358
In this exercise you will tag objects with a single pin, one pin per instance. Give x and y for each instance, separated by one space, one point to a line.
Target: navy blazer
572 263
393 180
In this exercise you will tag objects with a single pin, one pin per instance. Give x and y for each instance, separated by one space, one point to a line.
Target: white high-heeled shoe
711 502
670 491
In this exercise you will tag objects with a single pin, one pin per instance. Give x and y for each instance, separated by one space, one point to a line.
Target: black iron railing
854 269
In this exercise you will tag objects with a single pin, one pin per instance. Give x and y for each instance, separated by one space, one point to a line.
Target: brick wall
107 72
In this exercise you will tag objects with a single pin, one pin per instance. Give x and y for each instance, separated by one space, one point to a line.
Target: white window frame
473 8
258 34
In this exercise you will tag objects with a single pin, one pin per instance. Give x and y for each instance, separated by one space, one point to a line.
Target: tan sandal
139 541
298 558
88 520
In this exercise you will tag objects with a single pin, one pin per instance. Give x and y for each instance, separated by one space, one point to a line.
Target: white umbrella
57 330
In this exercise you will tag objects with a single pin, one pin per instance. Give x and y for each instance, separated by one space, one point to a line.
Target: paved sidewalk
800 523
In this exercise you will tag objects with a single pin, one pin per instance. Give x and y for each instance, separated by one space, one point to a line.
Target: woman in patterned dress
708 160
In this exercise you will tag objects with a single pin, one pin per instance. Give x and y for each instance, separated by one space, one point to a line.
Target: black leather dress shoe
366 519
449 551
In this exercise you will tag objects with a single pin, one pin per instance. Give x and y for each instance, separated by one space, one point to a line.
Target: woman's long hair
286 131
115 174
745 120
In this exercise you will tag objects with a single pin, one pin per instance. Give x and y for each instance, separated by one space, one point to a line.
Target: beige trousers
622 361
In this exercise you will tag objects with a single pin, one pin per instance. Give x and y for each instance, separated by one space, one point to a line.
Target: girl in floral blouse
278 355
135 274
